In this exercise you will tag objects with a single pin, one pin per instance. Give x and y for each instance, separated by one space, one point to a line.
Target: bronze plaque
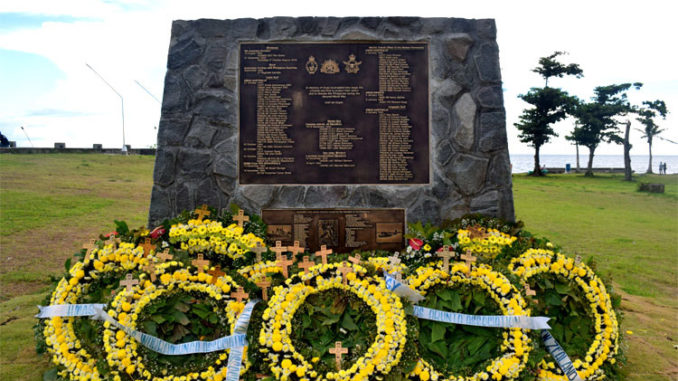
342 230
334 113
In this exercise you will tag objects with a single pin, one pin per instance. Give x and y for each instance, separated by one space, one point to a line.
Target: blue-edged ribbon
560 356
235 357
237 340
401 289
498 321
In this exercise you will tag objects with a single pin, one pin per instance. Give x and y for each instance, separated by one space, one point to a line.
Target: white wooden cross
324 251
446 254
202 212
337 351
200 263
469 258
258 249
241 218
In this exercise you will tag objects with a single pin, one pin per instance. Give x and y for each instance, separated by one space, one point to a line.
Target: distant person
664 167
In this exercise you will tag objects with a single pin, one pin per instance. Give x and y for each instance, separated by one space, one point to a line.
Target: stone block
487 63
492 131
465 116
458 45
164 171
467 173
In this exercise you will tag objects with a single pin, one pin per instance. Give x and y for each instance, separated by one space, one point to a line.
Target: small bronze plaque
342 230
334 113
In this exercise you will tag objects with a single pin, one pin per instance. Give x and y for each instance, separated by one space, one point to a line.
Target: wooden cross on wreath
355 260
148 246
129 282
530 292
337 351
284 263
200 263
216 273
296 249
323 253
258 249
240 294
278 249
241 218
89 246
344 271
113 240
202 212
305 264
469 258
264 285
446 254
150 269
477 232
165 255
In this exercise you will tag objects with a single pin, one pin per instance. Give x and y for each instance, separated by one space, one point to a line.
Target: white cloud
613 41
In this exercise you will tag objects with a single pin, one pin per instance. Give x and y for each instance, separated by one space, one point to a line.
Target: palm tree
646 114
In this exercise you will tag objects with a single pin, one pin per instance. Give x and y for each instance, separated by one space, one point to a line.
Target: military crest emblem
352 66
311 65
329 67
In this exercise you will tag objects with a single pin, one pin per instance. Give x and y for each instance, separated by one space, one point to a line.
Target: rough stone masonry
197 155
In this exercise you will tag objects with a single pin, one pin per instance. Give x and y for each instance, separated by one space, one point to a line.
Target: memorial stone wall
325 112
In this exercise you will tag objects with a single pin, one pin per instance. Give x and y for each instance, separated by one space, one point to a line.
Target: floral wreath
199 236
59 332
515 344
288 364
122 350
259 271
605 345
485 242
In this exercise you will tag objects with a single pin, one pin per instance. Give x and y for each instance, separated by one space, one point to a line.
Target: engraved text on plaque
334 113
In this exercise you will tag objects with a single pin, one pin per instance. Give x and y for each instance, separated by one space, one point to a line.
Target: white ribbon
560 356
153 343
235 357
402 289
497 321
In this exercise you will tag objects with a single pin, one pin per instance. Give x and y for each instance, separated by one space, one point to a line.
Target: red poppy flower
109 234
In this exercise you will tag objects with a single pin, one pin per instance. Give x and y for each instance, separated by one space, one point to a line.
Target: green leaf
479 297
181 307
67 264
438 347
50 375
437 331
180 317
347 323
553 299
563 288
443 293
150 327
121 227
158 319
455 301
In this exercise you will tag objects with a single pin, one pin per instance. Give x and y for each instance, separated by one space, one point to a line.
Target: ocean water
524 162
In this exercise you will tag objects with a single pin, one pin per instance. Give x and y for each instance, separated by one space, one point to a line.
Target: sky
47 88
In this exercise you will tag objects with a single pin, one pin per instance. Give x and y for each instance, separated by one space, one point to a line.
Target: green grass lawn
51 203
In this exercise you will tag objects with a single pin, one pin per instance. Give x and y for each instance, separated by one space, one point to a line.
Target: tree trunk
537 168
628 173
578 168
589 169
649 166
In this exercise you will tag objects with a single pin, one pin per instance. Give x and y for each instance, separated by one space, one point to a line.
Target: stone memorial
323 112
